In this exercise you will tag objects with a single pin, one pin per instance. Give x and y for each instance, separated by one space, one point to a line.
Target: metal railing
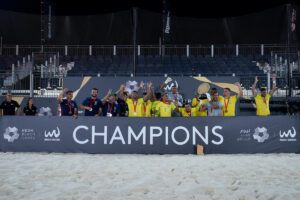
84 50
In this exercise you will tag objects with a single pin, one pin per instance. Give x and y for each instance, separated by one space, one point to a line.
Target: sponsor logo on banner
288 136
11 134
27 134
245 135
169 86
52 135
261 134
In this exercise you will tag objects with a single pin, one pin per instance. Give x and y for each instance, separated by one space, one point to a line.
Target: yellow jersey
202 113
195 102
230 104
135 108
193 112
165 109
221 99
154 104
262 105
147 108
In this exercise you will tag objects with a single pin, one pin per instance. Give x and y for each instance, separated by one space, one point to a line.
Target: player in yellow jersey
135 104
262 101
156 101
229 102
147 106
165 107
212 92
188 111
197 102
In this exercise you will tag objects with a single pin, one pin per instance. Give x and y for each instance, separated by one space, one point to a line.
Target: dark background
111 22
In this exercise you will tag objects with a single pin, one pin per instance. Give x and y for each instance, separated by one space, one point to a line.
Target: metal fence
50 87
85 50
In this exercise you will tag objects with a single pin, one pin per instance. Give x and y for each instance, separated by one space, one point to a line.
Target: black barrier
274 134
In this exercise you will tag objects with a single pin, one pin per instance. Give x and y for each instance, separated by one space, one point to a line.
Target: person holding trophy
173 95
201 98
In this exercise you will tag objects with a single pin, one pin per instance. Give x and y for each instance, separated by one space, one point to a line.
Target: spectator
262 101
110 107
68 106
92 105
8 107
30 109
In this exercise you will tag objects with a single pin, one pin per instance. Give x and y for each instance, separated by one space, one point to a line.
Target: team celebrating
168 104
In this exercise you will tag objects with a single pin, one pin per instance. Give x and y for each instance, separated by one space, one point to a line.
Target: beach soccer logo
261 134
131 86
52 135
11 134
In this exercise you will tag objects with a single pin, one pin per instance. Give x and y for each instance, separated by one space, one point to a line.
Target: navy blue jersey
113 108
93 103
65 107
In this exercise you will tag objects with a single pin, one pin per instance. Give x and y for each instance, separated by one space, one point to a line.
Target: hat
112 94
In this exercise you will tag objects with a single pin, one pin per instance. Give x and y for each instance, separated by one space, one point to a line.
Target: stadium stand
154 65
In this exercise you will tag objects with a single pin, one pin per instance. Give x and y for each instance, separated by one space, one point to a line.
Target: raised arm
153 97
141 86
162 87
148 91
240 94
274 86
60 96
254 93
104 100
122 92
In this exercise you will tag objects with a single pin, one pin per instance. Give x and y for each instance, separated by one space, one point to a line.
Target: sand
94 176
